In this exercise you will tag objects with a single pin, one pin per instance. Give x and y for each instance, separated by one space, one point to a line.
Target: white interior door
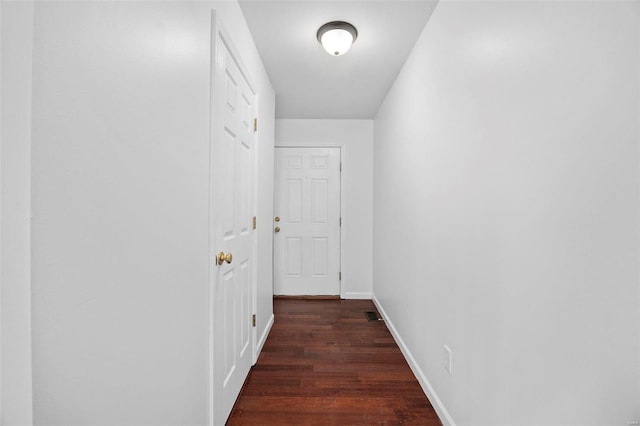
307 221
232 209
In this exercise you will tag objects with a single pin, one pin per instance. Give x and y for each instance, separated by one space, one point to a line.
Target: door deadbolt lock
277 229
221 258
277 219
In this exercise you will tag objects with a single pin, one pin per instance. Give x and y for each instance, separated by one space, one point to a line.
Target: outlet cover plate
448 359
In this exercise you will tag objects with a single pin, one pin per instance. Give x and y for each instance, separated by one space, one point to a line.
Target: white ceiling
308 82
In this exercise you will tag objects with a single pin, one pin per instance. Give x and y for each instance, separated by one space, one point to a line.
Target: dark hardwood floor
325 364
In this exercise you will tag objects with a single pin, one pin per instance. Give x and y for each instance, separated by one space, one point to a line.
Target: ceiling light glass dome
336 37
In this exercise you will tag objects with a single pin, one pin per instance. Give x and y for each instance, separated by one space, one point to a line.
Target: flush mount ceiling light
336 37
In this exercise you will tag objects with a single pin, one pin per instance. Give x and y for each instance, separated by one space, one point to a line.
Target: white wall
265 143
356 139
15 156
120 206
506 187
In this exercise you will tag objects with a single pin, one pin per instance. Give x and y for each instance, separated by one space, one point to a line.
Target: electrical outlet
448 359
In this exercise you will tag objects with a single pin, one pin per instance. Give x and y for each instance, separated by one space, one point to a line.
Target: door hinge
255 125
253 318
254 222
340 166
339 276
340 221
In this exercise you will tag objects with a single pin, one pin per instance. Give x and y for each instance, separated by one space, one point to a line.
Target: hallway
489 207
324 363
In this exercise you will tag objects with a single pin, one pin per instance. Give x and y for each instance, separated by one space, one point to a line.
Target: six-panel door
307 204
232 209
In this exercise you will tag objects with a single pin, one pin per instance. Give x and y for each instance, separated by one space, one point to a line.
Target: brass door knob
277 229
221 258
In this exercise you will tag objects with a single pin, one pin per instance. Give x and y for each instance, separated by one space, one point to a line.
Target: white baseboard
263 338
442 412
355 295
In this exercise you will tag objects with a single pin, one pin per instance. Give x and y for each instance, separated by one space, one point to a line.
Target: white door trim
218 32
342 201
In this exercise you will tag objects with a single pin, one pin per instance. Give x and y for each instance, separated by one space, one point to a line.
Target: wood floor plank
325 364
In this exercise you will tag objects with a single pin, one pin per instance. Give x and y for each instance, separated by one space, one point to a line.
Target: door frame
218 32
342 204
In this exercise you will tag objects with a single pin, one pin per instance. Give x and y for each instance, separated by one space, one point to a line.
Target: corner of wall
638 136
